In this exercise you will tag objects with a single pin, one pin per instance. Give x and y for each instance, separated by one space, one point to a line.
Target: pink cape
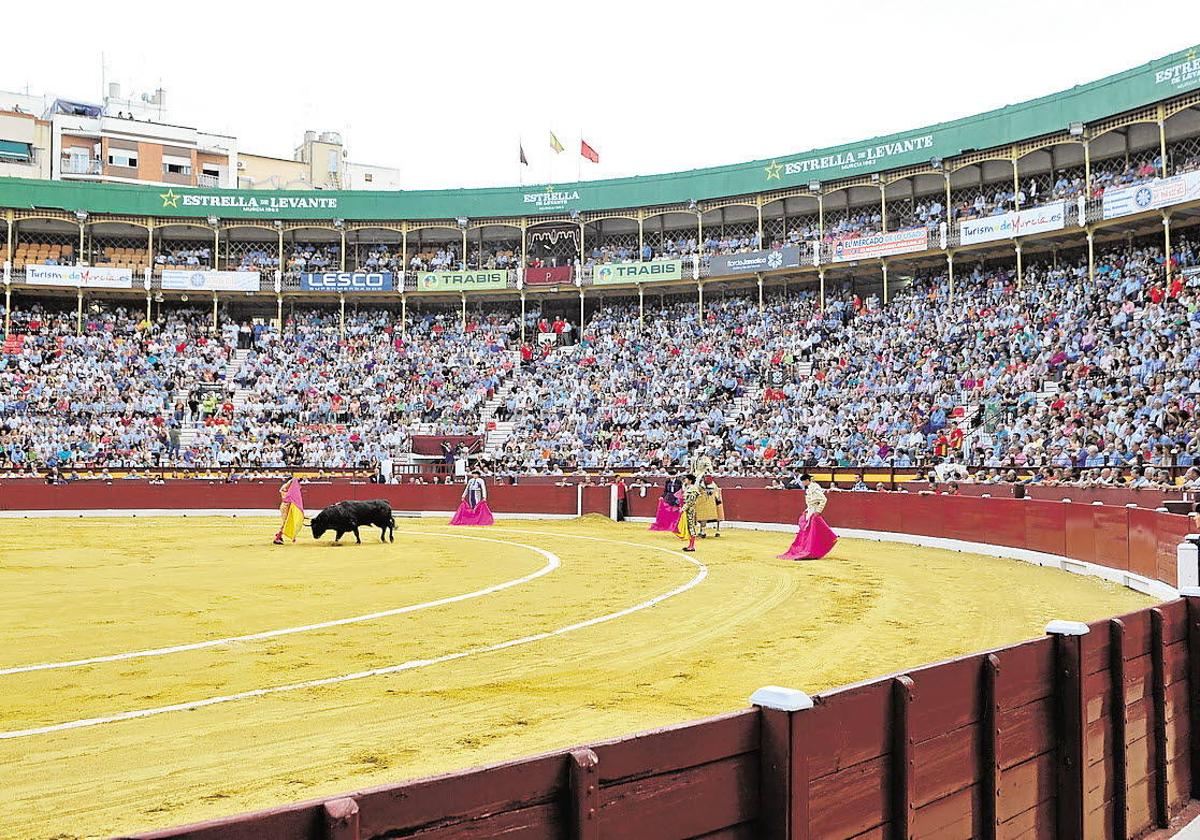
294 496
481 514
815 539
667 518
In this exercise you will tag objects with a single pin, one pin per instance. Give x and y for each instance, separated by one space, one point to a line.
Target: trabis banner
754 261
211 281
1151 195
348 281
1019 223
637 272
79 276
881 245
461 281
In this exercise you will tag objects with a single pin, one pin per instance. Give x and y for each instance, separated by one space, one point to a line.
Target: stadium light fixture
935 163
213 221
1076 129
278 224
874 177
692 204
814 186
575 214
339 223
81 215
462 222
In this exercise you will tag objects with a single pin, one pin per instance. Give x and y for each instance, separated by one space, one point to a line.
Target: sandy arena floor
105 588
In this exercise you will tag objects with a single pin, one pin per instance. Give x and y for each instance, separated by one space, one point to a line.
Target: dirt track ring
552 563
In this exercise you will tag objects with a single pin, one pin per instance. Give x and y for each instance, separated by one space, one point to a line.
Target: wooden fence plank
1158 689
1069 730
341 819
904 804
1193 635
1117 673
989 753
585 795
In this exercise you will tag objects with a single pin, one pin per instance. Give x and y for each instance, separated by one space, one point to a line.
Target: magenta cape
667 518
815 540
481 514
294 495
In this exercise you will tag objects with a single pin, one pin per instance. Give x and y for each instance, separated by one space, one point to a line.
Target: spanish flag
554 144
294 499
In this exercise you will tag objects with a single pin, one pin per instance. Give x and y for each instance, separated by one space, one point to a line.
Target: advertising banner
1019 223
753 261
881 245
461 281
559 275
81 276
347 281
210 281
637 272
1151 195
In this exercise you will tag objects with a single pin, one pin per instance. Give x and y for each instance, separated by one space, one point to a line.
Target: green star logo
1192 54
773 169
549 188
170 198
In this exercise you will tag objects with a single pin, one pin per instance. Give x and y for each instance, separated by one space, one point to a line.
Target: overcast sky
444 90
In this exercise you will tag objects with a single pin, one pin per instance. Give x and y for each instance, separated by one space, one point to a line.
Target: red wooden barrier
1069 736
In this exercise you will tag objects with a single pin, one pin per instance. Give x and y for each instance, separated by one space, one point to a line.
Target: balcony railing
208 181
80 166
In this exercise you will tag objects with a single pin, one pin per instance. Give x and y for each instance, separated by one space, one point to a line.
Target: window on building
333 160
212 170
122 157
368 177
177 169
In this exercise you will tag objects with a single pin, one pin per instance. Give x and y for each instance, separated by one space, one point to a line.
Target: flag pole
579 159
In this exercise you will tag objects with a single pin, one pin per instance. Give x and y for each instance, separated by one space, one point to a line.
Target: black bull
349 516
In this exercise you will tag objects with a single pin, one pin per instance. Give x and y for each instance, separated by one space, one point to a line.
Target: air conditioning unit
241 164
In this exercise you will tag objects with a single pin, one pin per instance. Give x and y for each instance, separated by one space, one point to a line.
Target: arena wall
1090 732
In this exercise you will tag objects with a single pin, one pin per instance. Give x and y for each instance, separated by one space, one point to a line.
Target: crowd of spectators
1055 378
184 257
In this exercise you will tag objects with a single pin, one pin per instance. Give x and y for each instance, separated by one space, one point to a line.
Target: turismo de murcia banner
881 245
1161 192
210 281
461 281
753 261
1019 223
79 276
637 272
347 281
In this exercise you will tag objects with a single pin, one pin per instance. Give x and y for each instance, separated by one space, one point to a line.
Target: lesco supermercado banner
347 281
1151 195
210 281
881 245
461 281
1019 223
752 261
637 272
81 276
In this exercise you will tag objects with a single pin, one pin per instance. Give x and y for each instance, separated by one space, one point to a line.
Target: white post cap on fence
1187 563
1058 627
781 699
